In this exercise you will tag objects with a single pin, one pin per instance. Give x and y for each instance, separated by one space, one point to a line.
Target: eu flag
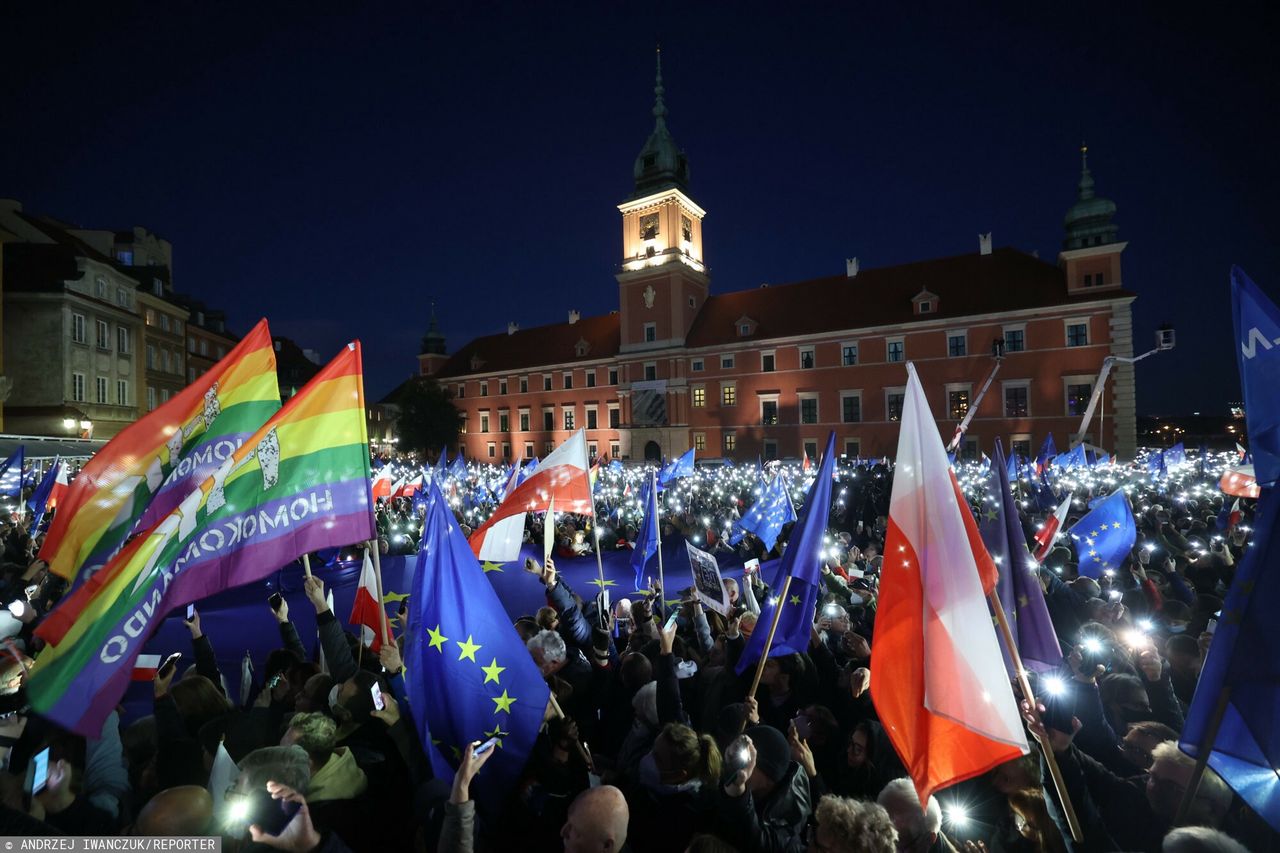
11 473
677 468
1048 450
1073 458
469 676
647 540
1019 583
768 515
1257 325
39 501
1104 537
802 562
1242 675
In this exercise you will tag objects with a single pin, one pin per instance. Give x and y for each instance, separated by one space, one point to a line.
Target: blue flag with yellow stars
802 562
1104 537
771 512
1257 325
469 676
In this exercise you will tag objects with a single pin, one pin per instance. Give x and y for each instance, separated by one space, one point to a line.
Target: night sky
339 170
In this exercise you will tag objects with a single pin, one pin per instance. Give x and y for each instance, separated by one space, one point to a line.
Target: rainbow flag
297 484
146 470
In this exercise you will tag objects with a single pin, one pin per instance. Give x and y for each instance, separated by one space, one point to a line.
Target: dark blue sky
340 171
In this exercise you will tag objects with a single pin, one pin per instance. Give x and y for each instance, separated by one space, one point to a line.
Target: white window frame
524 417
770 354
899 390
1015 327
572 412
548 410
958 333
1005 384
649 328
610 408
484 389
813 357
492 449
845 345
77 387
848 394
700 442
502 387
806 444
566 380
101 390
946 398
524 384
801 398
122 392
485 422
728 361
102 335
727 438
732 387
1066 332
587 412
78 330
615 450
100 288
151 400
897 339
528 450
504 414
1076 379
770 398
693 396
857 452
650 366
697 365
546 381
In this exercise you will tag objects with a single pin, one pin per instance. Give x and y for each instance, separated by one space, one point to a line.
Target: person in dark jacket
765 805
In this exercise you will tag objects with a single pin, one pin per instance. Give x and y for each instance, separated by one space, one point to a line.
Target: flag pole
582 750
377 582
1073 822
1202 756
768 643
657 521
306 564
595 527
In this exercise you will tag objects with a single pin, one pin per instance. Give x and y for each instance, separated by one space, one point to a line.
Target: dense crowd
661 746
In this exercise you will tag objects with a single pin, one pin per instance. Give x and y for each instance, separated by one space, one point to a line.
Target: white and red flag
145 667
1048 534
945 699
365 607
382 483
562 477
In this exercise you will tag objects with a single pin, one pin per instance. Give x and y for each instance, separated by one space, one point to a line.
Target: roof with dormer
543 345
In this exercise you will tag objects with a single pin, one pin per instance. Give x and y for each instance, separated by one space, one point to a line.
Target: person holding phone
202 649
458 832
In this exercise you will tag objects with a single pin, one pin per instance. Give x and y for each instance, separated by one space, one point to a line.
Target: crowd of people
662 746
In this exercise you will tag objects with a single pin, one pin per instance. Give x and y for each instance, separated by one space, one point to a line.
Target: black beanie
773 753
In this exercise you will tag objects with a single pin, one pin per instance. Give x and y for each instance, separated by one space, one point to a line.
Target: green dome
1088 222
661 163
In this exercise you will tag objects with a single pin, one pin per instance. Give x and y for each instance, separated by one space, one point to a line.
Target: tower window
649 226
650 332
686 229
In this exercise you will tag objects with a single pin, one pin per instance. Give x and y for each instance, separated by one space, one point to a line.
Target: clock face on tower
649 226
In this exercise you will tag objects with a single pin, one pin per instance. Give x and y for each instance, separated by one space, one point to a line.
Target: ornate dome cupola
1088 222
661 164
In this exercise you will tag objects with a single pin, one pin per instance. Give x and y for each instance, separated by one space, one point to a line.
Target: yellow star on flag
602 584
492 671
497 734
394 597
795 599
490 566
469 650
1116 525
503 702
437 639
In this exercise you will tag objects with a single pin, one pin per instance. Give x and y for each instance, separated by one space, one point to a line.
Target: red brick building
772 370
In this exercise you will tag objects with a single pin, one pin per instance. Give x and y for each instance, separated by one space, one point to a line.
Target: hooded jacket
777 824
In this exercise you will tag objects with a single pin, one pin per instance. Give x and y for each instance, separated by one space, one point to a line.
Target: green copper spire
1088 222
433 340
661 164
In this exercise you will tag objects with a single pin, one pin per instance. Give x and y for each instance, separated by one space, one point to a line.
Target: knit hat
773 754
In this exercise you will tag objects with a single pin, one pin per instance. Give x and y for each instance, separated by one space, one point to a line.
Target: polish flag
382 483
804 466
60 486
144 668
1233 518
942 691
1240 482
1048 534
406 489
562 477
364 610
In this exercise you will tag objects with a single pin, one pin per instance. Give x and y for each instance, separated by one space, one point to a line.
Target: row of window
1076 335
593 449
101 390
163 360
566 382
124 297
568 414
1017 396
102 337
202 346
166 324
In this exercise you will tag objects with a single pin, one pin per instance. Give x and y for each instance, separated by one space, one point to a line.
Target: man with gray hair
919 830
549 652
845 825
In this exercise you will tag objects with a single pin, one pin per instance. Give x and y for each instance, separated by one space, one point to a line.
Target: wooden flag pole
595 526
306 564
1202 756
582 750
768 642
1051 760
377 582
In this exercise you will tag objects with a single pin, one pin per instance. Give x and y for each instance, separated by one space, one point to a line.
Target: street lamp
68 423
